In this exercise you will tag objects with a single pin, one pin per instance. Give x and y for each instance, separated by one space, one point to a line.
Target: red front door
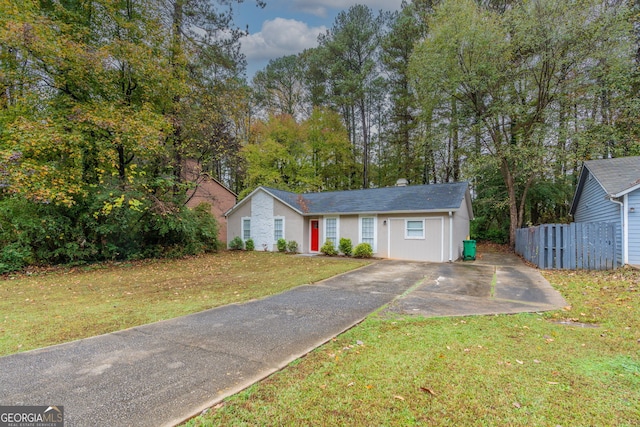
315 235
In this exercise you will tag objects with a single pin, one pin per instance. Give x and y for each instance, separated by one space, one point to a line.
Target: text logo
31 416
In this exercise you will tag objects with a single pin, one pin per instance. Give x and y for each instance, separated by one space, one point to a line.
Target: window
414 229
331 230
246 229
278 229
368 231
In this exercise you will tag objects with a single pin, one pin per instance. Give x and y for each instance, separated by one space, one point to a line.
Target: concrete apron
166 372
494 284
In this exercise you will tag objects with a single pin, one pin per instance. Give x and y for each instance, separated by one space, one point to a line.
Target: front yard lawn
66 304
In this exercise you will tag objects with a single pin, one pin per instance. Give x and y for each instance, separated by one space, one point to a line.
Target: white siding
262 220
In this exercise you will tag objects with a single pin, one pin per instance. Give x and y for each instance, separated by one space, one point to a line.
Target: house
209 190
422 222
609 191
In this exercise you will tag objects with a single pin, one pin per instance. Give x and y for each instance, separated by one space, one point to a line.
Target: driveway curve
166 372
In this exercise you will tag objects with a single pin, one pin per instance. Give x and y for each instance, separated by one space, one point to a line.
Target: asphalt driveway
165 372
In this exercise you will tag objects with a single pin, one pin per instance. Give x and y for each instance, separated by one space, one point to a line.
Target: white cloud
320 7
280 37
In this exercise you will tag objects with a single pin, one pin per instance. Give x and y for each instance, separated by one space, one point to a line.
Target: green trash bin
469 250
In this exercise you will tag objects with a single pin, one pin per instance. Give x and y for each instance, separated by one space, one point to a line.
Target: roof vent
401 182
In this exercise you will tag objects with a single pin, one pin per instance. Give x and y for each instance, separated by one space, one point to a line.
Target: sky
287 27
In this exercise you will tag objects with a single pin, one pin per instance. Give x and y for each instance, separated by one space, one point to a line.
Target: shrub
346 247
329 248
236 244
282 245
249 245
292 246
14 257
206 227
363 250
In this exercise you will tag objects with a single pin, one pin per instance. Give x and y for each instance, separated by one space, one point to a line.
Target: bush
206 228
282 245
236 244
292 246
329 248
103 224
14 257
249 245
363 250
346 247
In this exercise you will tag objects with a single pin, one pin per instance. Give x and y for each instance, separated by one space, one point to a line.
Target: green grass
506 370
38 310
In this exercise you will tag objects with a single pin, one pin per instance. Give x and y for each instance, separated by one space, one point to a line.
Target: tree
100 100
280 88
406 30
508 71
349 51
279 156
332 158
309 156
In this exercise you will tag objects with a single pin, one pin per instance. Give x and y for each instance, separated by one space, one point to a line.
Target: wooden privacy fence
589 246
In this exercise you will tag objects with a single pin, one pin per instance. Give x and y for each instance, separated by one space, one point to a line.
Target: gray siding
594 206
634 227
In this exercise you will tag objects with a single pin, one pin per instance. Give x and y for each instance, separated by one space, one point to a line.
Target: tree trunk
365 146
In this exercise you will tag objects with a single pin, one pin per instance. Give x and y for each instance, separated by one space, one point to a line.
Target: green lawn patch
62 305
515 370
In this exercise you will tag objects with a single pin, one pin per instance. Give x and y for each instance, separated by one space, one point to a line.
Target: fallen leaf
517 405
398 397
428 390
369 386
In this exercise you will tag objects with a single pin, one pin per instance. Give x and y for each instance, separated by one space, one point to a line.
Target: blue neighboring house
420 222
609 191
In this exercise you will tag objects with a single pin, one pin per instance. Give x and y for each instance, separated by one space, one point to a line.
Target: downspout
624 230
388 222
450 236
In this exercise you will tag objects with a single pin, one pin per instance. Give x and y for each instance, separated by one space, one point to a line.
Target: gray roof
415 198
617 177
